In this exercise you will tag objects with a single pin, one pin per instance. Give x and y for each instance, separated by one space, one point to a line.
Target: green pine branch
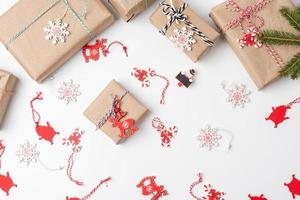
292 16
292 68
274 37
279 38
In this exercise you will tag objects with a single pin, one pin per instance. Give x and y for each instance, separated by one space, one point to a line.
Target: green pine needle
279 38
292 68
292 16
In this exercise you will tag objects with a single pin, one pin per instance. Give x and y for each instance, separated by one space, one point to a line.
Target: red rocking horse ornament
45 132
278 114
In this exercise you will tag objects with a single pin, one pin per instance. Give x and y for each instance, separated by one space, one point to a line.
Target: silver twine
43 12
177 15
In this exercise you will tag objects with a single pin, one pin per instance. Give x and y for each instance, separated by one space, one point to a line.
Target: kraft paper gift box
263 63
128 9
22 32
102 104
7 88
206 36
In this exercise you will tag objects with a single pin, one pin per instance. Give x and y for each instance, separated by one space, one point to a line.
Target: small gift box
184 27
7 89
116 112
241 21
43 35
128 9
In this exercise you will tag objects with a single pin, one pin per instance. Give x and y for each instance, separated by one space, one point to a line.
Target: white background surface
261 160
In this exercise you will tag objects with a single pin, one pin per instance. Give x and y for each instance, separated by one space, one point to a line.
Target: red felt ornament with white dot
44 132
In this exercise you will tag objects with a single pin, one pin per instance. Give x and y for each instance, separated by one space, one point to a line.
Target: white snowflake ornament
28 153
209 137
68 91
238 94
183 38
57 31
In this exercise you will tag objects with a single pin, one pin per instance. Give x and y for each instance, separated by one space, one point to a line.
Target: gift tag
186 78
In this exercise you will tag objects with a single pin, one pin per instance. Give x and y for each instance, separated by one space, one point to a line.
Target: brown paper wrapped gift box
128 9
7 88
158 19
38 56
259 64
97 109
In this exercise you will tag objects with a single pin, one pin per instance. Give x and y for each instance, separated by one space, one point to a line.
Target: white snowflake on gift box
57 31
209 137
238 94
28 153
68 91
183 38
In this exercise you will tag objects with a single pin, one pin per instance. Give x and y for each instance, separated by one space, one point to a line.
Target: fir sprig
274 37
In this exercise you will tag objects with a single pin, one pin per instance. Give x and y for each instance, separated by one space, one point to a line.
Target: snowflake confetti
238 95
68 91
57 31
209 137
28 153
183 38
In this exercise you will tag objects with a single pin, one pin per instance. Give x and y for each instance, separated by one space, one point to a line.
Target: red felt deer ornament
294 186
92 51
44 132
278 114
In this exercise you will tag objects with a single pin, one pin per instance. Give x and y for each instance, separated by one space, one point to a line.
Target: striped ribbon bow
177 15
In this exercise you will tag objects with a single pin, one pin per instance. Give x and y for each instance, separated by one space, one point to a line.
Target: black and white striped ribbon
175 14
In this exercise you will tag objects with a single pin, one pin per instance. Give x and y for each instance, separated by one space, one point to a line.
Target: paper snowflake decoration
57 31
183 38
68 91
238 95
28 153
209 137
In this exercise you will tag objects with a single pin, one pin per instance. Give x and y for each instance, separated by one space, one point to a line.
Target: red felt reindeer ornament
91 192
92 51
278 114
44 132
149 187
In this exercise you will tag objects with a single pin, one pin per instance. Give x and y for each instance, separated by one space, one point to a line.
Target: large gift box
98 112
29 30
184 27
240 21
7 88
128 9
